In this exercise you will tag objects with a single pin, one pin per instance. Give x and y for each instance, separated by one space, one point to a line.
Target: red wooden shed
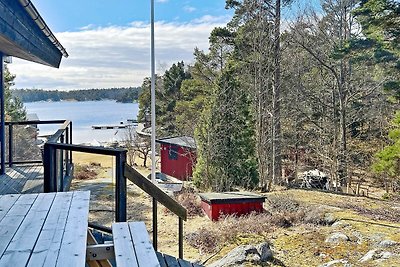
239 203
178 156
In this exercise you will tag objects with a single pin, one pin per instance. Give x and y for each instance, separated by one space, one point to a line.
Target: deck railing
54 181
159 196
13 157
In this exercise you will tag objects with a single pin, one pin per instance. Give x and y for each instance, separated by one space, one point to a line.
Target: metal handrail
123 172
51 181
159 196
65 127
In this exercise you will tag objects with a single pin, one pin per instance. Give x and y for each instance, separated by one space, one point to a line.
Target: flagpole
153 125
153 100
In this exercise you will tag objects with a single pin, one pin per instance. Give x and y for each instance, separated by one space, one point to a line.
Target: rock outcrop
255 255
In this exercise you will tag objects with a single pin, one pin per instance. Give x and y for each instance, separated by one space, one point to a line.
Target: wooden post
61 164
120 188
70 141
10 145
67 152
50 174
180 238
2 117
155 235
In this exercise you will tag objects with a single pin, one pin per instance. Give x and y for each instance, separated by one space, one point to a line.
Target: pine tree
14 108
388 160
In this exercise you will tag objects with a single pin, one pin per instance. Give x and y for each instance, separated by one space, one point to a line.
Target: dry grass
285 212
294 222
87 158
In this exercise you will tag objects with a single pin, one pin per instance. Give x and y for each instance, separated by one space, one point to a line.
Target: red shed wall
180 168
213 211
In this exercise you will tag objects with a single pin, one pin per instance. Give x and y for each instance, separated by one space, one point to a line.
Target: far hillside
124 95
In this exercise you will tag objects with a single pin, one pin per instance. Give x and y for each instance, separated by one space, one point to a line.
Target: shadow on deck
22 179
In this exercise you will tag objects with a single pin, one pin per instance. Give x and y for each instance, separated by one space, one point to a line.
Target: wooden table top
44 229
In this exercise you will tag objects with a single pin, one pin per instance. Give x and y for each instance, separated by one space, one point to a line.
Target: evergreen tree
388 160
14 108
225 139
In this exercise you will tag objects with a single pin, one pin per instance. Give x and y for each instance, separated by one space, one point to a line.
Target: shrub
84 172
283 203
188 199
227 230
204 239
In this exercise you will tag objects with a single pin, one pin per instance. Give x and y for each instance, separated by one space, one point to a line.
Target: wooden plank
17 178
154 191
33 181
73 245
6 203
123 246
25 172
48 244
13 219
22 179
145 254
161 259
183 263
21 245
9 181
171 261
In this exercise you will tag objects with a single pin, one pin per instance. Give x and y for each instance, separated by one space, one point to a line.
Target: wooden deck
22 179
44 229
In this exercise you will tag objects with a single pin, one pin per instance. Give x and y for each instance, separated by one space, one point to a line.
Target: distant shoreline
121 95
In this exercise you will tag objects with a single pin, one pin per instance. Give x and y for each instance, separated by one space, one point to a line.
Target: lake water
83 115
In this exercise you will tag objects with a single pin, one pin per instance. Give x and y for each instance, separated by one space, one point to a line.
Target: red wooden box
239 203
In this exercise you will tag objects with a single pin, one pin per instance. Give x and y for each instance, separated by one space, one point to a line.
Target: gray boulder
376 254
340 224
265 252
369 256
336 238
387 243
241 255
329 219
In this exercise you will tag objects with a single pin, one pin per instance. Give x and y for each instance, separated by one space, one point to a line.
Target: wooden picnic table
47 229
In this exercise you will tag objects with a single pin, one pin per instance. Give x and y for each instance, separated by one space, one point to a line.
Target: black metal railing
21 137
54 159
55 182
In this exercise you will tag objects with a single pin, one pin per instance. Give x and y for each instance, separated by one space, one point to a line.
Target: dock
114 126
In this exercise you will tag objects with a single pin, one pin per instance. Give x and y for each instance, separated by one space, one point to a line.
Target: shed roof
231 197
183 141
24 34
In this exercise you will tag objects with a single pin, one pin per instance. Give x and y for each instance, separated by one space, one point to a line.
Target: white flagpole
153 100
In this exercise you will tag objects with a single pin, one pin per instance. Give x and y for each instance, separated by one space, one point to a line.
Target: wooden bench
132 245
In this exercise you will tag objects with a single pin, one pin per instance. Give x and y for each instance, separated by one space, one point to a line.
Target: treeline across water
124 95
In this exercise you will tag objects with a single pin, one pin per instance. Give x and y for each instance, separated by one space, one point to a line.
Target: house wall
177 161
